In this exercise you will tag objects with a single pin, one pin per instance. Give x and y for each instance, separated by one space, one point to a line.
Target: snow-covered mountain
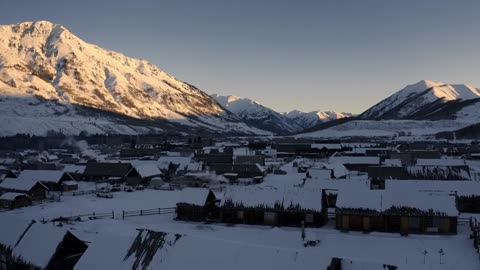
310 119
52 80
424 108
425 100
257 115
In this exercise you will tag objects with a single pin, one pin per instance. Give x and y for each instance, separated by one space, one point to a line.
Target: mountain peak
43 62
419 99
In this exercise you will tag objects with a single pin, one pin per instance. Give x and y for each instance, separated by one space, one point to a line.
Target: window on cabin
414 223
309 218
269 217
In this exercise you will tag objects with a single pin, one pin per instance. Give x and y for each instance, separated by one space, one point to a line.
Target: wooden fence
89 216
148 212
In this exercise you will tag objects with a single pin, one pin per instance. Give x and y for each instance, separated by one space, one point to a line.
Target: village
150 202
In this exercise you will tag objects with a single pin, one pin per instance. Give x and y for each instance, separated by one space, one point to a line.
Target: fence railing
148 212
90 216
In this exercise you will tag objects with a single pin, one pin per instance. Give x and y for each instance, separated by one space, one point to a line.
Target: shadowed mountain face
42 63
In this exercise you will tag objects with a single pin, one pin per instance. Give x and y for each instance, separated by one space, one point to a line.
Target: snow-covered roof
41 175
303 198
70 183
18 184
39 244
72 168
338 169
392 162
148 170
10 196
440 162
355 160
195 196
381 200
331 146
461 188
12 229
320 173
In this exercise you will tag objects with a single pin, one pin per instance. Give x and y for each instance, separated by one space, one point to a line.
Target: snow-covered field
386 128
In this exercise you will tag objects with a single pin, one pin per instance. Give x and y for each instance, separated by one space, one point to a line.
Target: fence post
113 215
141 212
123 214
159 211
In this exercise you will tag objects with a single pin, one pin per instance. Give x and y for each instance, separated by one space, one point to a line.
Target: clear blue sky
308 55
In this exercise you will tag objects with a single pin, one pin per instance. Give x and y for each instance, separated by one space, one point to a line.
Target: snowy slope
311 119
257 115
418 101
45 64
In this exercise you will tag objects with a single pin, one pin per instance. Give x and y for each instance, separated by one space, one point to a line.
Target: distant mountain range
423 108
51 80
261 117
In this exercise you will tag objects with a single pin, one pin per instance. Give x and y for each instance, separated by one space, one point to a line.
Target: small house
196 204
142 174
103 170
320 173
50 178
12 200
271 206
34 188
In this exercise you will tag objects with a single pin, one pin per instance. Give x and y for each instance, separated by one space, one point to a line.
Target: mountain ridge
45 60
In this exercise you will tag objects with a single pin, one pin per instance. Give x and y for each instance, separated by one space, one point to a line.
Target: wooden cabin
102 171
269 206
52 179
35 189
142 174
414 212
12 200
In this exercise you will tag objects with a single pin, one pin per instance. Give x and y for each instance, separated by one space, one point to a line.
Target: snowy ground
386 128
403 251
